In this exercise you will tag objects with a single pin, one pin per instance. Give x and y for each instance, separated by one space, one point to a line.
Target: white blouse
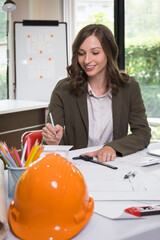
100 118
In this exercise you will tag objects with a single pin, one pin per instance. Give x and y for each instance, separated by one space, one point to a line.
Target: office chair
33 136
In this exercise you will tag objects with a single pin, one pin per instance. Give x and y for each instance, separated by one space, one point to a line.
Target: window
3 53
87 12
142 54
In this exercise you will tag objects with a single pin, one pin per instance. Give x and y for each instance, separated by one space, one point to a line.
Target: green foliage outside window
3 18
142 60
3 82
3 50
100 18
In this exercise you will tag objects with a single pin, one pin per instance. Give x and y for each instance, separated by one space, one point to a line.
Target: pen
51 118
90 159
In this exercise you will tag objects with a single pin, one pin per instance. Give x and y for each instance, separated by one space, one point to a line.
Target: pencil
11 160
5 158
14 156
17 156
32 156
28 148
38 153
24 152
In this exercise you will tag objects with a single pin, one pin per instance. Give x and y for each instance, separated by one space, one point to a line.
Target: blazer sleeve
56 106
134 115
69 111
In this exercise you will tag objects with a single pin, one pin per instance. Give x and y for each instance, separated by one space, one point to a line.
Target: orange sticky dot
49 59
30 59
28 36
51 35
41 76
40 51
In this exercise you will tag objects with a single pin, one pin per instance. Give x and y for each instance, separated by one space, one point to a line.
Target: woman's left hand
105 154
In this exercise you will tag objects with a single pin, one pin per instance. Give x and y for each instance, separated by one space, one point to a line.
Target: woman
97 102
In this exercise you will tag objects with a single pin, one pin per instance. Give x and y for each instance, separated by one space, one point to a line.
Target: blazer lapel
116 112
82 105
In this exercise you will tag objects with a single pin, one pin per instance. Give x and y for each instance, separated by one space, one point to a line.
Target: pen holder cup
13 176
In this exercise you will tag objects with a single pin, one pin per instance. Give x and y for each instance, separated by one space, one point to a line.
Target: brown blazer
127 107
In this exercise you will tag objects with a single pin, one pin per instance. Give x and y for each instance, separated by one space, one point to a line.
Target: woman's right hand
52 135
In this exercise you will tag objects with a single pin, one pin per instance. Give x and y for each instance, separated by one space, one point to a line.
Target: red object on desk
143 211
33 136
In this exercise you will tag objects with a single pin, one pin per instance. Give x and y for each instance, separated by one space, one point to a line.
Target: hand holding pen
52 134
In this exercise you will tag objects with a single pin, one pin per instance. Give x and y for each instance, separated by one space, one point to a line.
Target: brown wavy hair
114 77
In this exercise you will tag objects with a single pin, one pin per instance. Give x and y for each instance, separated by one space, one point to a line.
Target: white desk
103 228
11 106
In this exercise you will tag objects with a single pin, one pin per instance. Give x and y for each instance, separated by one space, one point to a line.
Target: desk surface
9 106
103 228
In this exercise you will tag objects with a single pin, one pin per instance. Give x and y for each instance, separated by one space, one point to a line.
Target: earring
81 71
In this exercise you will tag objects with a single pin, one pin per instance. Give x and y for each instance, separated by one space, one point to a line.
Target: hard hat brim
28 232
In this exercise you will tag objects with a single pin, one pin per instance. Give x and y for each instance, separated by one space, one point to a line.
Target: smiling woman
93 60
95 46
97 102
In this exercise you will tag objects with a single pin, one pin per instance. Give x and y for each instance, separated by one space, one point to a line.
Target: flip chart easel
41 58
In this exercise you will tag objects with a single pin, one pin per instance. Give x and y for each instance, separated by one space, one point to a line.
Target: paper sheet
4 227
62 150
115 210
108 184
51 148
141 158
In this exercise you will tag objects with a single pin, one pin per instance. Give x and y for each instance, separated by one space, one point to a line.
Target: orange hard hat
51 201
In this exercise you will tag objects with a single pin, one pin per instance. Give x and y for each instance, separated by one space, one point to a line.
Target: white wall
30 10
